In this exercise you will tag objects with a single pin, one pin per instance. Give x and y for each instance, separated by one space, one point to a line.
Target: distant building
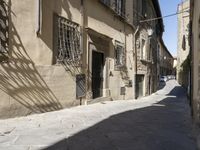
183 68
146 40
166 60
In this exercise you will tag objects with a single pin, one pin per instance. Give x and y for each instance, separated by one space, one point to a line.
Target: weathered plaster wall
29 82
196 62
112 26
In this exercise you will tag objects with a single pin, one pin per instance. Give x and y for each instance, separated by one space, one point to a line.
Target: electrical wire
158 18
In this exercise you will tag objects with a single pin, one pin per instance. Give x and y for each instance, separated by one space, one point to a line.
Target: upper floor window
68 40
120 7
119 54
143 50
144 8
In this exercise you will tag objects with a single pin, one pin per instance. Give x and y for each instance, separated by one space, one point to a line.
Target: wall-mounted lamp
150 32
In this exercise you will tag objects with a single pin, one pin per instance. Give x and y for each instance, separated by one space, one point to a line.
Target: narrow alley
158 122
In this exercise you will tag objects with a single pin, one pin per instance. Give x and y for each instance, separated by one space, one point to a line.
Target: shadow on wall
21 80
152 125
48 8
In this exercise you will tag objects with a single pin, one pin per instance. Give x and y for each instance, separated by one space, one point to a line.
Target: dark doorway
139 86
97 73
149 85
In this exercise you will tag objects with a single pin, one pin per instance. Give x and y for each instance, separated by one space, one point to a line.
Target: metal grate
120 7
3 28
119 55
68 41
80 85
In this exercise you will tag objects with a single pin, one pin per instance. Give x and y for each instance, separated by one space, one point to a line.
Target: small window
68 41
199 26
144 8
120 7
143 50
119 55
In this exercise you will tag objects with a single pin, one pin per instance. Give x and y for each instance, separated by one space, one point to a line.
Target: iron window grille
68 41
120 7
119 55
3 28
106 2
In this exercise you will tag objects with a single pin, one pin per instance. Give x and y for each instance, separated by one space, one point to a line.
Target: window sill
146 61
120 68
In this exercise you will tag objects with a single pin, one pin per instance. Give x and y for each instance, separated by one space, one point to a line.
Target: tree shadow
55 6
162 126
21 81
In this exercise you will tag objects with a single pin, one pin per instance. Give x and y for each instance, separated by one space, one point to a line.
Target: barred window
68 40
143 50
120 7
119 55
3 28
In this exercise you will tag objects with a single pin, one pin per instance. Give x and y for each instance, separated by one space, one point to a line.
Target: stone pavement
157 122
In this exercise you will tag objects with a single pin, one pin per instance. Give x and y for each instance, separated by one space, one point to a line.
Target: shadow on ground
162 126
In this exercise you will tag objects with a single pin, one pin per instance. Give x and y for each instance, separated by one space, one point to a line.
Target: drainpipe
135 64
39 17
84 62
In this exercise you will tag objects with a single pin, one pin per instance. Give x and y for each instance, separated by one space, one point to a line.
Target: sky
170 35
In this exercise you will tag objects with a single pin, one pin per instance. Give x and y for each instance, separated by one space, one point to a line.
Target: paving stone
158 122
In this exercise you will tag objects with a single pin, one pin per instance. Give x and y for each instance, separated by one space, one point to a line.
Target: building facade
195 59
59 53
147 36
166 60
183 70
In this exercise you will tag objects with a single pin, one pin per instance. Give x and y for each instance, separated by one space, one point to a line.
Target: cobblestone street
158 122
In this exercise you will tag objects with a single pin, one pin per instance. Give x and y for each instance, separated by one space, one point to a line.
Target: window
158 52
119 55
143 50
149 50
4 28
144 8
68 40
120 7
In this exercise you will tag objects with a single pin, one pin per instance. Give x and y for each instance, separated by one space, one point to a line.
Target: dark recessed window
119 55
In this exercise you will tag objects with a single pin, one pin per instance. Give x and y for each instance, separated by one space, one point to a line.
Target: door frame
92 48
